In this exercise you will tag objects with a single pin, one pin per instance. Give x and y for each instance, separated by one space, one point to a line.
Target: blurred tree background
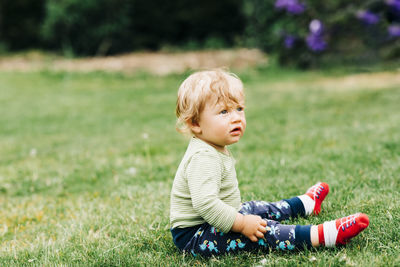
300 33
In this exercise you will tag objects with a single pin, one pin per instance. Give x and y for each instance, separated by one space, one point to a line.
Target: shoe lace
317 189
346 222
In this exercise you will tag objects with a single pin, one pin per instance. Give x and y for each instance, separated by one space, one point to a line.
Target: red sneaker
350 226
318 193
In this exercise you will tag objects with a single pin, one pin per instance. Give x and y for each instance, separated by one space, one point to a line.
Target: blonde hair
203 86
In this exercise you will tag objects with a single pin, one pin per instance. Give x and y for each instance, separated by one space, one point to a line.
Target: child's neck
222 149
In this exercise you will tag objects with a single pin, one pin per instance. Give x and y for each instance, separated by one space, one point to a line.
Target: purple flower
394 30
367 17
316 27
281 4
316 42
295 7
291 6
289 41
394 7
394 4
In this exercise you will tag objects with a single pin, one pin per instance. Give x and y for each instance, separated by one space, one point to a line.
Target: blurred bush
98 27
20 22
190 23
311 33
88 27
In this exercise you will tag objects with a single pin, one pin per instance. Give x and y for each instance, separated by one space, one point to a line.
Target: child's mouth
236 131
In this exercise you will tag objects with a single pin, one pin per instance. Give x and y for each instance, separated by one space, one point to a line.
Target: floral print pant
210 241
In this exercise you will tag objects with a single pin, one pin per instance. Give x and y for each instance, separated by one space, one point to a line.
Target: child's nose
236 116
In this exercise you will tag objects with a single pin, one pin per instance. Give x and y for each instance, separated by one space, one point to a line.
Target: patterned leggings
210 241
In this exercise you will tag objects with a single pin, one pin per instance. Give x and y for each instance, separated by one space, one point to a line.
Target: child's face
221 125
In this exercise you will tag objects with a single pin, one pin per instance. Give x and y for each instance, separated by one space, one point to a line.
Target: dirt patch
376 80
160 63
362 81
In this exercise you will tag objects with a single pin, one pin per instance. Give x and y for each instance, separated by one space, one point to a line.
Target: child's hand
251 226
254 227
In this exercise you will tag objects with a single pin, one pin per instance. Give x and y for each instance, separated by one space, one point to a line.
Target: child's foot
317 193
340 231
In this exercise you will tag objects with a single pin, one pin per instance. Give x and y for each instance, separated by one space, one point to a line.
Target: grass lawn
87 162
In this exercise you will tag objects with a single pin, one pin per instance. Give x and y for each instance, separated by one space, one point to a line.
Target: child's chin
235 140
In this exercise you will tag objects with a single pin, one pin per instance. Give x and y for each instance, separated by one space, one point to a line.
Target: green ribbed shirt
205 188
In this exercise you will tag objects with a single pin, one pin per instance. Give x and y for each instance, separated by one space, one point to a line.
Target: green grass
87 162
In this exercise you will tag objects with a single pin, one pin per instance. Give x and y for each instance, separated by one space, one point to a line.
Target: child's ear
194 126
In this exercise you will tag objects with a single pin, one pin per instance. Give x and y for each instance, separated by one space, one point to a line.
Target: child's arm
251 226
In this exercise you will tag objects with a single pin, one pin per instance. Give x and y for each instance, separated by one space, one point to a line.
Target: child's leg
302 205
210 241
278 211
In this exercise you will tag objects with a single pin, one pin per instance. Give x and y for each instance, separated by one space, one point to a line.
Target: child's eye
240 109
224 111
